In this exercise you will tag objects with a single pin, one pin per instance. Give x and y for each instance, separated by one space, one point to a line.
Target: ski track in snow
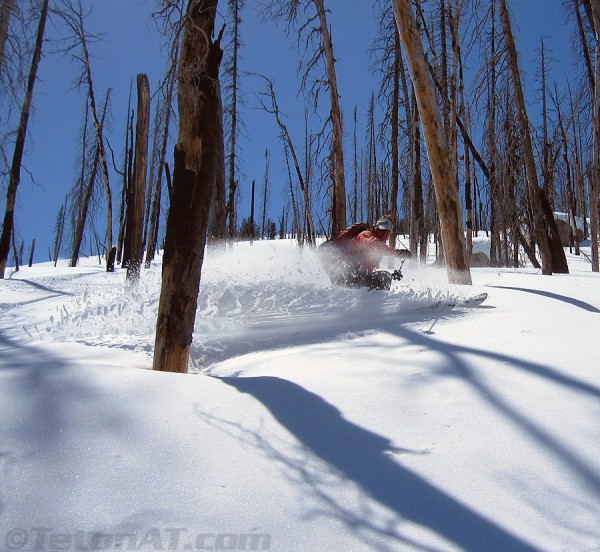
246 294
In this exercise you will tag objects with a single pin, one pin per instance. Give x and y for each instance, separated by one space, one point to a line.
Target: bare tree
59 229
197 156
84 188
160 164
6 10
290 12
592 8
544 225
444 178
15 171
263 228
285 135
135 208
232 112
74 17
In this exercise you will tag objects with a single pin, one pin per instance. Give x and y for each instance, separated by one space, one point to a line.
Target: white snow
315 419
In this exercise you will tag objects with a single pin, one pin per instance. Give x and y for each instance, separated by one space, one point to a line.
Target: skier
352 257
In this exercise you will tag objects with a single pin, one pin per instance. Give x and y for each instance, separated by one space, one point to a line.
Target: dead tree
196 155
263 227
126 173
289 11
544 226
59 229
15 169
592 9
338 209
31 251
444 178
135 209
156 200
84 189
5 14
285 135
73 16
231 112
217 222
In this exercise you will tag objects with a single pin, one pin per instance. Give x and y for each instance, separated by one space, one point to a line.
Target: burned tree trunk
135 209
15 169
444 178
196 155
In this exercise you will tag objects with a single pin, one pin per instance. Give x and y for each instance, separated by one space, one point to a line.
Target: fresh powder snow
314 418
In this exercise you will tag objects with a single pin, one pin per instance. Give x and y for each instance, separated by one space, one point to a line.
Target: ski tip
476 299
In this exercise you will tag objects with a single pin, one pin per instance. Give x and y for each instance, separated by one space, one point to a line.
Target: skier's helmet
384 223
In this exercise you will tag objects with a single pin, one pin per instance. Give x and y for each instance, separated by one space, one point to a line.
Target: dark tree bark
58 232
196 155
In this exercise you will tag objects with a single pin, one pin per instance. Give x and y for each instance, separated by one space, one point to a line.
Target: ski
473 301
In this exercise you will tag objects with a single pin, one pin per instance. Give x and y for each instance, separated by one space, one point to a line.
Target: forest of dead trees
449 151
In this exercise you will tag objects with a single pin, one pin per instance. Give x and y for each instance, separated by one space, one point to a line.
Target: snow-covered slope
316 419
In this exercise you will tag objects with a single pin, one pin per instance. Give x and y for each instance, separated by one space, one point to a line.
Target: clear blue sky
131 44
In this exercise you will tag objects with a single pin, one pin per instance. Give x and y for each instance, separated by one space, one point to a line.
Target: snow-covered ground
316 419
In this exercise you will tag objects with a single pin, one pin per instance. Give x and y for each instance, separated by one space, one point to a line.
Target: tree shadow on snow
362 457
459 367
570 300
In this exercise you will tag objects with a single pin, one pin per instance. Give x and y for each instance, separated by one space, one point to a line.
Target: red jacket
367 250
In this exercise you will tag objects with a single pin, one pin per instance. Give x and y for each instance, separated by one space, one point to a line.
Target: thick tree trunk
15 170
197 155
444 178
337 152
135 210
